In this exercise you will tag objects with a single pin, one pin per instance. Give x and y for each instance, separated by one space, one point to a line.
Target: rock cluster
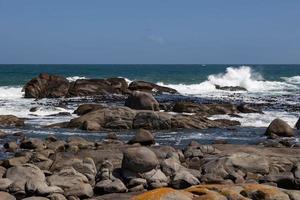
80 169
54 86
118 117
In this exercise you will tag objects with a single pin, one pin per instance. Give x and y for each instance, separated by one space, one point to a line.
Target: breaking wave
242 76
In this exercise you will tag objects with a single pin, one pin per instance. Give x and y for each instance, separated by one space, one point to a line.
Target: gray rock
184 179
5 183
56 196
110 186
19 175
72 182
156 178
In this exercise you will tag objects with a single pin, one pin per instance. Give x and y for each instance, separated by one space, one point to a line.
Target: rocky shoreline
78 168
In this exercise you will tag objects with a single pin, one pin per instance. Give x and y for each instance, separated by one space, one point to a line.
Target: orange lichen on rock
264 191
217 192
164 194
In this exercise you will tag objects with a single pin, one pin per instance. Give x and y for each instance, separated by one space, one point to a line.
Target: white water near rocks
259 91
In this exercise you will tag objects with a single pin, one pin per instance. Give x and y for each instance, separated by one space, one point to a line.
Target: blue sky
156 31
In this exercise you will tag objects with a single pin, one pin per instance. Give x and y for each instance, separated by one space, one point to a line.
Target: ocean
275 86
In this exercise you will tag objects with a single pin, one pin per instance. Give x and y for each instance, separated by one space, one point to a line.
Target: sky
150 32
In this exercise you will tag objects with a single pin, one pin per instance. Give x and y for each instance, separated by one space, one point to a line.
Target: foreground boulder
46 86
142 101
280 128
11 120
150 87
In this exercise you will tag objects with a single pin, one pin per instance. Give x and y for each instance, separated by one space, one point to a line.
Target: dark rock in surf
85 108
246 108
230 88
280 128
93 87
297 126
46 86
150 87
142 101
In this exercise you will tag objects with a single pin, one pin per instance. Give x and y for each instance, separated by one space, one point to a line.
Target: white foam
261 120
10 92
292 80
74 78
242 76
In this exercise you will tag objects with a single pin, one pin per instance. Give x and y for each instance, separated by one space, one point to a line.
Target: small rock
11 146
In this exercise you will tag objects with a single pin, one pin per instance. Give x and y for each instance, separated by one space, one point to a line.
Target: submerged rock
230 88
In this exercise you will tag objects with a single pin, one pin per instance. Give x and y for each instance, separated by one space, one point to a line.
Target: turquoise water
168 74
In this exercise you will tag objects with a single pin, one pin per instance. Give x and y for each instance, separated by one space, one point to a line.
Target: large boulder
143 137
91 87
139 159
280 128
142 101
46 86
10 120
150 87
